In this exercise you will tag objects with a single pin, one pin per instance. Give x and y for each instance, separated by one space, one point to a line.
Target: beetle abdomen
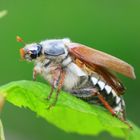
109 94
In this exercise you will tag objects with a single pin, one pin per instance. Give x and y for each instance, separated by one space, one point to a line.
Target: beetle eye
36 52
33 54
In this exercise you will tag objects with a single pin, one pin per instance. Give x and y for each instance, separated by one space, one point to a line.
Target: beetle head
30 51
54 49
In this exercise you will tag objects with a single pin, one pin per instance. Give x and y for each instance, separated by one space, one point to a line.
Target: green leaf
70 114
1 132
134 134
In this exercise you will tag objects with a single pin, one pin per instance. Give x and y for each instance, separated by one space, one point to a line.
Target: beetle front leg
55 77
52 89
60 84
34 75
36 71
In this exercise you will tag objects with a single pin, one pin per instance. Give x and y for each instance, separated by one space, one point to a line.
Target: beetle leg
110 109
37 70
60 84
83 92
92 96
34 74
105 103
55 75
51 92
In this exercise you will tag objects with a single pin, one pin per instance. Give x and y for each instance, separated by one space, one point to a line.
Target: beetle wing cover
95 57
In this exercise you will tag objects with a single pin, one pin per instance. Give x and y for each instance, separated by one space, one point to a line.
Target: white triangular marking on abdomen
108 89
114 93
101 85
94 80
118 99
118 108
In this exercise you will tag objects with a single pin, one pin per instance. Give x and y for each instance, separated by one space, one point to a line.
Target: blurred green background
112 26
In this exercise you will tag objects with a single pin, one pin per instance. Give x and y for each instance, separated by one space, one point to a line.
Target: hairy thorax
71 79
